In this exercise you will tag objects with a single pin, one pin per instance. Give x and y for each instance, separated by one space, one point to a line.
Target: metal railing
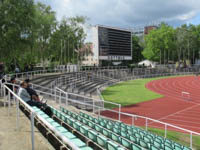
33 115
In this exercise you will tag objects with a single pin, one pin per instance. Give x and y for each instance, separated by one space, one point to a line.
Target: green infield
130 92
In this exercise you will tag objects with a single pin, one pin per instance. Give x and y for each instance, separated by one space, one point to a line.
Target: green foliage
159 43
30 34
136 50
173 44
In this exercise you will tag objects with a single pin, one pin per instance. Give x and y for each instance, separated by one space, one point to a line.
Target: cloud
128 13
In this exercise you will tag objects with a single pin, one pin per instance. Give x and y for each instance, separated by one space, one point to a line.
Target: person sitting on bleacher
32 92
24 95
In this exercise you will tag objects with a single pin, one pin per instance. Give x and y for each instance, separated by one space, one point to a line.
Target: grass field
133 92
130 92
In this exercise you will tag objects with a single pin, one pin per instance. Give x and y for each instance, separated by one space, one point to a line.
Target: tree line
30 33
169 45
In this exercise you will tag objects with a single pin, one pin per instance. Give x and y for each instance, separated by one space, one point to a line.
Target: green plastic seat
50 120
45 116
168 148
135 147
69 113
58 114
63 117
147 140
91 118
79 118
186 148
86 116
103 124
55 124
69 135
74 116
110 123
84 121
112 146
84 130
98 128
106 133
130 132
116 130
117 126
133 139
123 129
92 135
96 121
91 124
129 127
142 134
154 148
177 148
157 144
82 114
76 125
125 143
62 129
78 142
143 144
102 141
135 130
70 121
115 138
86 148
109 127
124 134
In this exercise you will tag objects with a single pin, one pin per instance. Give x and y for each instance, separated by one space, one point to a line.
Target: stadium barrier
33 114
166 125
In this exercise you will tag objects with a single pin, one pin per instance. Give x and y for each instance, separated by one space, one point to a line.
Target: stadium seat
102 141
62 130
113 130
84 130
143 144
168 148
125 143
135 147
92 135
113 146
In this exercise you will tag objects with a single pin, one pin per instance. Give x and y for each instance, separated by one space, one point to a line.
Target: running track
171 108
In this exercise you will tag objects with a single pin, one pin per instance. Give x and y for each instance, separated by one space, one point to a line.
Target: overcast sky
128 13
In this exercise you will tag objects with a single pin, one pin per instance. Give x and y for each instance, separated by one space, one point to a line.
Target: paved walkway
11 139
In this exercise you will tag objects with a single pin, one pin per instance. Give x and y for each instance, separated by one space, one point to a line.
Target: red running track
171 108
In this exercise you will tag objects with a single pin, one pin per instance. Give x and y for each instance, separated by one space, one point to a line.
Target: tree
136 50
159 44
15 24
67 39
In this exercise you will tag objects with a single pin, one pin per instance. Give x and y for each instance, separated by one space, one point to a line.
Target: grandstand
71 95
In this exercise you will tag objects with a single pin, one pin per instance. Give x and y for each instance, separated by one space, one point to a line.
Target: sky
129 13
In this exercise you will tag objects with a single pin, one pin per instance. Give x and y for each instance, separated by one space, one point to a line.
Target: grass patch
178 137
130 92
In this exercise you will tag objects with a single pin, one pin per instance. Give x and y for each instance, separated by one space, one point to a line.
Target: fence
33 114
118 115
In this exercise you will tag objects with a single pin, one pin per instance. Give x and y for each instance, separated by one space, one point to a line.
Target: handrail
34 113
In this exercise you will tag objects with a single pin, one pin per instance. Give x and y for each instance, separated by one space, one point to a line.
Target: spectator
24 95
32 92
17 70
